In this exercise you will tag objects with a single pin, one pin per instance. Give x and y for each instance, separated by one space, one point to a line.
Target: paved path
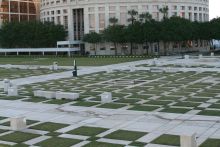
152 122
68 74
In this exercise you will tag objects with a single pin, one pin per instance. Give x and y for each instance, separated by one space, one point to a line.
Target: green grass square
49 126
211 143
3 131
209 112
138 144
175 110
216 106
157 102
167 140
59 102
18 137
87 131
58 142
187 104
85 104
144 108
125 135
112 105
102 144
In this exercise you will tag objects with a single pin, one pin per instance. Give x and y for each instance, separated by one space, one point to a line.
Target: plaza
153 103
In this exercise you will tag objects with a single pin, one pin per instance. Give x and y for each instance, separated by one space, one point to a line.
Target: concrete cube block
13 91
106 97
45 94
55 66
186 56
67 95
109 70
132 68
6 84
18 123
212 54
188 141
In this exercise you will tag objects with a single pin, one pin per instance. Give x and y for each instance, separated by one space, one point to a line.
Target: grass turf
125 135
49 126
58 142
87 131
167 140
18 137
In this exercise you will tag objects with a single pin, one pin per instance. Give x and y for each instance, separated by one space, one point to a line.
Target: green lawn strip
195 99
81 61
10 97
59 102
138 144
18 137
102 144
112 105
144 108
55 134
125 135
167 140
204 94
169 98
49 126
58 142
4 145
124 100
187 104
1 118
211 143
86 104
209 112
35 99
180 93
2 131
21 145
175 110
156 102
139 96
216 106
87 131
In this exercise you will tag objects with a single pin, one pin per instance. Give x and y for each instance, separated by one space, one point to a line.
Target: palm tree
113 21
164 11
145 17
133 13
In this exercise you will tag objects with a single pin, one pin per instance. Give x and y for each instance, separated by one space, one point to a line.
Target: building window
91 21
101 20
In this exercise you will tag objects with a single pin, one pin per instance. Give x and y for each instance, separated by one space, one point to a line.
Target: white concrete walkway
153 123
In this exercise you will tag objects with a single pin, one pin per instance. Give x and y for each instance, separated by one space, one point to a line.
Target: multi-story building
83 16
19 10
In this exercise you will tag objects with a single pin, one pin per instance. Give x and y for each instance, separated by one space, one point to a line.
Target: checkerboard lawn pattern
159 92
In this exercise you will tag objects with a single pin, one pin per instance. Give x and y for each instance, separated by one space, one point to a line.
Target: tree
164 11
133 16
31 34
145 17
92 38
134 33
113 20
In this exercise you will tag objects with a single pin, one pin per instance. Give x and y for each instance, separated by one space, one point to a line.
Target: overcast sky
214 8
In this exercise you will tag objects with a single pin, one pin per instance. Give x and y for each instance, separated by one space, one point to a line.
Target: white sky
214 8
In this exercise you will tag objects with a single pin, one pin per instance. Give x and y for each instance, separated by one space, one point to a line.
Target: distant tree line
143 29
31 34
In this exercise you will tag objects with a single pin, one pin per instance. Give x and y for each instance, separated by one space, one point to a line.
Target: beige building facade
19 10
83 16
